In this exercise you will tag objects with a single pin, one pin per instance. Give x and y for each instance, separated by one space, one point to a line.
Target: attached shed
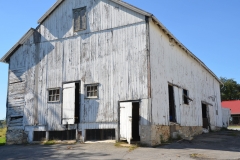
104 69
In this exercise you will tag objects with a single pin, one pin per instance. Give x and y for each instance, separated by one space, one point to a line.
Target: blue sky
210 29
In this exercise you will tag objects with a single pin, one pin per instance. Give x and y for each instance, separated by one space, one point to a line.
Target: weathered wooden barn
104 69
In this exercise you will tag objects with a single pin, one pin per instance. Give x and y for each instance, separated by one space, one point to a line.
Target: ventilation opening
39 135
172 110
100 134
62 135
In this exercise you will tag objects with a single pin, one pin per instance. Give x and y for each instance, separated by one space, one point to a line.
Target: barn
104 69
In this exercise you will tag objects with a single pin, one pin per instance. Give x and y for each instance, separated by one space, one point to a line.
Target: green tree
230 90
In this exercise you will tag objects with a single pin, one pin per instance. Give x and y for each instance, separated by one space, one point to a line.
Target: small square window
92 91
53 95
185 96
80 19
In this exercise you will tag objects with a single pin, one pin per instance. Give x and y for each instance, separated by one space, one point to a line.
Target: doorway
71 103
205 116
172 109
129 121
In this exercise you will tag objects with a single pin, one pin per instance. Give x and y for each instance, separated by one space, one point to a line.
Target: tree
230 90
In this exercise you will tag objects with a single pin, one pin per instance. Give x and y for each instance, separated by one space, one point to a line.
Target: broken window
185 96
54 95
80 19
92 91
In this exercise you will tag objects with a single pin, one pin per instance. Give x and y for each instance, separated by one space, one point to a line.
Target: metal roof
6 57
140 11
234 106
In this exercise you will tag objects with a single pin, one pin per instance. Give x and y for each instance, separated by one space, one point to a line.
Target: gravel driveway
217 145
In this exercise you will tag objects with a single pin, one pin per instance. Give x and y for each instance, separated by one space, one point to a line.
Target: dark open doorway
135 121
77 103
205 116
172 110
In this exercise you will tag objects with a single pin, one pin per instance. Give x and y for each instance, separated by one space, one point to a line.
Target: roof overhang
7 56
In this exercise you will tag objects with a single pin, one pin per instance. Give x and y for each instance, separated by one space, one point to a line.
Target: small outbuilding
234 107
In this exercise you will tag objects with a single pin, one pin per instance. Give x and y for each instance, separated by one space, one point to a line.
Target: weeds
52 142
131 147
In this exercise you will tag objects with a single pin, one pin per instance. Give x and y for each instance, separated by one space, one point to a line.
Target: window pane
50 92
53 98
54 92
95 93
57 98
57 91
88 94
88 88
49 98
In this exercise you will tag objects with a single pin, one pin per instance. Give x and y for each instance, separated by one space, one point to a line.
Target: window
80 19
54 95
185 96
92 91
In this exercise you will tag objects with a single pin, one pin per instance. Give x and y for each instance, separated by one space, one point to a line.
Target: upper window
185 96
92 91
80 19
54 95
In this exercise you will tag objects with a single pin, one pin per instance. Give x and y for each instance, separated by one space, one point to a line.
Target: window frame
59 94
73 13
86 91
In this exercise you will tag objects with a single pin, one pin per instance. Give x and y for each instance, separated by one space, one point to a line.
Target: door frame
138 100
67 82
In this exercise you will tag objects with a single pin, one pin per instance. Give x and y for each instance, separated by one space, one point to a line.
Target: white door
68 111
126 121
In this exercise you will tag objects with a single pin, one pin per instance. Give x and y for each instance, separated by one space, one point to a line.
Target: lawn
3 136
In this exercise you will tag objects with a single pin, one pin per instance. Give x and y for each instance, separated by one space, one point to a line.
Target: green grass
52 142
3 136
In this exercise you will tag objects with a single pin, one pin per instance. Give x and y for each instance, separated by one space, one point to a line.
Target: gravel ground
217 145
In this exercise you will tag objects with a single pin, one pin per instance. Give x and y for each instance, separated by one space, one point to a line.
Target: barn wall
101 15
170 64
111 52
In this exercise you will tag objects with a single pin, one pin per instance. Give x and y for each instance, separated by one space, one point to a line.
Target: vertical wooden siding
169 63
111 52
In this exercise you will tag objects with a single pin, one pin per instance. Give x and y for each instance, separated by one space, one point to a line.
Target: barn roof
234 106
133 8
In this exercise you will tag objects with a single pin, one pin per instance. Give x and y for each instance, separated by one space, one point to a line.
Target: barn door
126 121
68 111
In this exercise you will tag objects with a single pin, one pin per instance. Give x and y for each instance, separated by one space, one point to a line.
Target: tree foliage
230 90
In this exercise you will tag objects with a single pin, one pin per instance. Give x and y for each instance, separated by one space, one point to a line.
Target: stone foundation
161 133
16 136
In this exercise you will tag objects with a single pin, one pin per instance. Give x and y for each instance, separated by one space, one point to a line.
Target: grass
52 142
3 136
196 155
131 147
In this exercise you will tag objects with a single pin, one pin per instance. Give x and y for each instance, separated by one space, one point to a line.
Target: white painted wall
111 52
169 63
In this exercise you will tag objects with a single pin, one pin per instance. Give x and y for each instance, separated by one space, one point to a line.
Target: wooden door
68 111
126 121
